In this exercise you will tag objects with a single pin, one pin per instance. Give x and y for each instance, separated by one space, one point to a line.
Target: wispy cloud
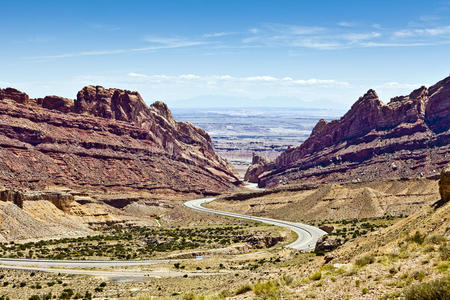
188 85
396 85
346 35
434 31
229 78
137 75
345 24
357 37
217 34
104 27
156 43
313 37
293 37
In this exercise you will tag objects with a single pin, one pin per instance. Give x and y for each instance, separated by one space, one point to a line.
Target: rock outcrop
444 184
13 94
407 137
106 139
256 168
327 243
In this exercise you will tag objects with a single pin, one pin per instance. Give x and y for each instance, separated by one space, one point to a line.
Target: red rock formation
106 139
409 136
13 94
58 103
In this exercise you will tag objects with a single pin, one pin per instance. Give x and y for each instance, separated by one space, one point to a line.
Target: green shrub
35 297
287 279
365 260
66 294
189 296
417 238
444 251
316 276
243 289
436 289
443 267
267 289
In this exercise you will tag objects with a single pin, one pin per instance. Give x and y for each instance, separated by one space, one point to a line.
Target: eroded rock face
106 139
257 167
58 103
444 184
409 136
13 94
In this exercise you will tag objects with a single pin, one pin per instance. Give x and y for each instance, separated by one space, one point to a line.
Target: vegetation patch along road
307 235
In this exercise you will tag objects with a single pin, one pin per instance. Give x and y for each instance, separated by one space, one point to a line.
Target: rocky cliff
407 137
106 139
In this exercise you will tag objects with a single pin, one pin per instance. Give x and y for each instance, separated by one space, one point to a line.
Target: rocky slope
106 139
407 137
444 184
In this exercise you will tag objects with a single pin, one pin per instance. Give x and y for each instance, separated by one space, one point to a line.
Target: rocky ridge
407 137
106 139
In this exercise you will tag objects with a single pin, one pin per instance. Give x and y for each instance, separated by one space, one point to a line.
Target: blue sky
216 53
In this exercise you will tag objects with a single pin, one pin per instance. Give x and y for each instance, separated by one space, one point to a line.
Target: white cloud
346 24
217 34
356 37
189 76
294 29
137 75
217 79
261 78
395 84
105 27
159 44
435 31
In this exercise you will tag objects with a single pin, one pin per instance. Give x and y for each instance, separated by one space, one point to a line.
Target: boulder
327 228
327 243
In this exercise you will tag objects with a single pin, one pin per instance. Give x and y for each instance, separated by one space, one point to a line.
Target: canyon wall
408 137
105 139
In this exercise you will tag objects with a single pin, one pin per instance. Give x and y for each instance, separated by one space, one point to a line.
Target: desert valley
103 178
206 150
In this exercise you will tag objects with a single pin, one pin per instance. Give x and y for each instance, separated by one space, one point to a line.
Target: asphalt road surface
307 235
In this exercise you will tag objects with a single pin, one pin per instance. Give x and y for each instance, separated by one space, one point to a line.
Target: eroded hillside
408 137
106 139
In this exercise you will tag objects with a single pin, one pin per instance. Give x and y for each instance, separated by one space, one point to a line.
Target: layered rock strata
407 137
106 139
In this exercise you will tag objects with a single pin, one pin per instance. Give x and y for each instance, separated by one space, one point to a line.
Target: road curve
307 235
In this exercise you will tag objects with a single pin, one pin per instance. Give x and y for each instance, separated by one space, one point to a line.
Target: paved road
307 235
307 238
115 275
80 263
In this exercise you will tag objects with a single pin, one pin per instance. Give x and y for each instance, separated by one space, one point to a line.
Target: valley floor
393 237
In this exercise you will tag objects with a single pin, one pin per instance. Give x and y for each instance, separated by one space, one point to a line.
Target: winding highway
307 235
307 238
